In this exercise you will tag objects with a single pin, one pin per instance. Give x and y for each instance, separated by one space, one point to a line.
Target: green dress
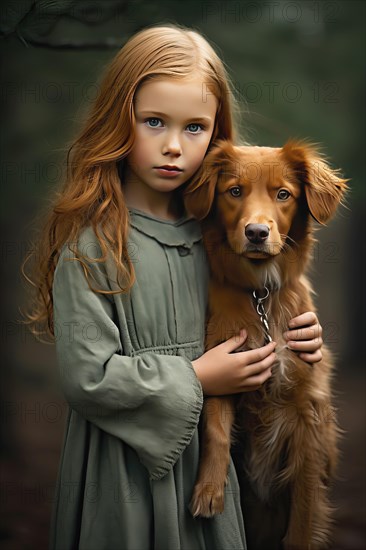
131 446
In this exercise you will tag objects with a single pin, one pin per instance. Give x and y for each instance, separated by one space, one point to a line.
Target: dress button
183 251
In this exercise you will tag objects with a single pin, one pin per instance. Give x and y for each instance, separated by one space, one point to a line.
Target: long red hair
92 192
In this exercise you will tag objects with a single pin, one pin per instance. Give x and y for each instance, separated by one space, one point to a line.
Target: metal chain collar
262 313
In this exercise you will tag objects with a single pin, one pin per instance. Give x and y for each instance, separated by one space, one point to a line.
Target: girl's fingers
308 318
312 357
255 355
255 382
306 345
308 333
258 368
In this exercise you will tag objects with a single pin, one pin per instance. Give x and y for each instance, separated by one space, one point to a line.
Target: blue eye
197 126
153 119
154 123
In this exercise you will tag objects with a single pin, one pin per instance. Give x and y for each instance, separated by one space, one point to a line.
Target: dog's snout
256 233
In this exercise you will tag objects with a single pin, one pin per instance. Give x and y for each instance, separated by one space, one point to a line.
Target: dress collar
182 232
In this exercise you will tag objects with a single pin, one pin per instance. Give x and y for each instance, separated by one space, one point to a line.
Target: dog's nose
256 233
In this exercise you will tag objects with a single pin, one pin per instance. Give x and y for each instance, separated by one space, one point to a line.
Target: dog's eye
235 191
283 194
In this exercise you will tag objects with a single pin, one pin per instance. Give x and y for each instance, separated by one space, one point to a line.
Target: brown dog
255 205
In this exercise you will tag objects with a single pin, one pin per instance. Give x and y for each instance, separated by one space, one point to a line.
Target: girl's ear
324 187
199 194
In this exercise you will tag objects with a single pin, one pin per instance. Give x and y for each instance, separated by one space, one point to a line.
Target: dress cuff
194 412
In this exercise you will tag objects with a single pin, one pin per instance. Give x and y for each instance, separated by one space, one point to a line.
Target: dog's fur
289 423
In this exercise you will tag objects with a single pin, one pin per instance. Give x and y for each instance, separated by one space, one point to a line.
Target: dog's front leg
208 495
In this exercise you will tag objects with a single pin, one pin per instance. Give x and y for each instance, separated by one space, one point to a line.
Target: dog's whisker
287 237
285 247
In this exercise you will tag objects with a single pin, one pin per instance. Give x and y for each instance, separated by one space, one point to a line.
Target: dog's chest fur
261 416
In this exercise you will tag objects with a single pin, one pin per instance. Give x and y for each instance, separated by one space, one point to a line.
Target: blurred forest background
298 70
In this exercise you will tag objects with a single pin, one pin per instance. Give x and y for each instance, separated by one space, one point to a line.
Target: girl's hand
305 336
223 373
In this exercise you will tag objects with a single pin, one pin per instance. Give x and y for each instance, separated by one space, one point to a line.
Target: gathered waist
191 350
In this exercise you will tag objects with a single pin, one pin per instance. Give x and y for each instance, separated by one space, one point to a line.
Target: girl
122 284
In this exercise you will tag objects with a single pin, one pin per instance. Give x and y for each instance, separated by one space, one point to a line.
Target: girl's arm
150 401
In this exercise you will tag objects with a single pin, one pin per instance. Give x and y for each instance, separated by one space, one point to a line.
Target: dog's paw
208 499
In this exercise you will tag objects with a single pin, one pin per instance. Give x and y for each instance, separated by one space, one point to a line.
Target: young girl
122 283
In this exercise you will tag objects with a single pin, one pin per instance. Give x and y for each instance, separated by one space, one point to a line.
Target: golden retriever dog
256 206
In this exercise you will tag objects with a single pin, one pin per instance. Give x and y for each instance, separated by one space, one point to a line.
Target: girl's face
174 124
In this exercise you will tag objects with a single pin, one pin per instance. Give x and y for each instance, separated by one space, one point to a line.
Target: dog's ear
324 186
198 195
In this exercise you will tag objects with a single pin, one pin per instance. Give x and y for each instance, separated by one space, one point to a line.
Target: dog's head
263 197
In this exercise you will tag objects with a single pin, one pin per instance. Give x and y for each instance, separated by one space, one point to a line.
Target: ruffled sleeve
151 402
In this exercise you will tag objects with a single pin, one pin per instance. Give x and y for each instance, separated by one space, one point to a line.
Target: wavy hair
92 190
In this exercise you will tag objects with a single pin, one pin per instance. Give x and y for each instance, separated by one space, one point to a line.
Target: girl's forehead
177 96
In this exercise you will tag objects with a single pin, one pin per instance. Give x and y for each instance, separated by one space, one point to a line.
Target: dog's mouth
254 251
257 252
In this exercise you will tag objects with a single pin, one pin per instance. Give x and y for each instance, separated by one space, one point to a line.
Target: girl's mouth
169 172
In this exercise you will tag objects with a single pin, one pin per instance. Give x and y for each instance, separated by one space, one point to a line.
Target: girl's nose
172 144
